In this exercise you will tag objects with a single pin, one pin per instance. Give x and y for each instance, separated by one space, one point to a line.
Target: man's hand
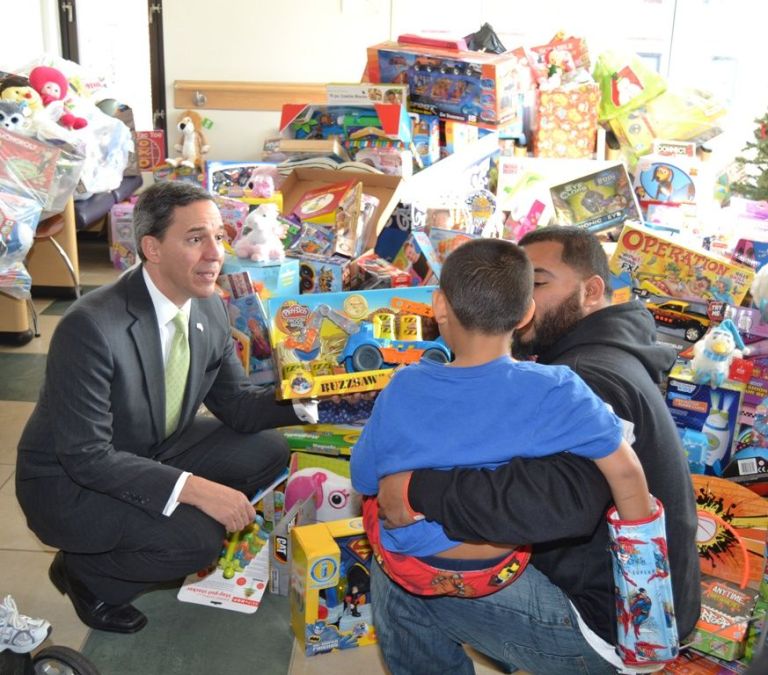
227 506
393 504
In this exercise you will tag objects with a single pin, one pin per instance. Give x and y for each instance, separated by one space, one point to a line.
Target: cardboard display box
330 586
385 188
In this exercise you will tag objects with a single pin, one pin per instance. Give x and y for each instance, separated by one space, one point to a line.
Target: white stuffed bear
260 238
712 355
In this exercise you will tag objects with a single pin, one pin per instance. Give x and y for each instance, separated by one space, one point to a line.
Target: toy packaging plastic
597 201
330 593
714 412
666 267
339 343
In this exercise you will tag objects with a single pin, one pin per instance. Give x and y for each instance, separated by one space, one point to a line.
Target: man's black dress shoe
92 611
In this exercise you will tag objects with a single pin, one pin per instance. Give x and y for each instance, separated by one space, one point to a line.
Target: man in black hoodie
560 616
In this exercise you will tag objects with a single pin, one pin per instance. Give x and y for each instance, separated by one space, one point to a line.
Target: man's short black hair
153 212
582 251
488 284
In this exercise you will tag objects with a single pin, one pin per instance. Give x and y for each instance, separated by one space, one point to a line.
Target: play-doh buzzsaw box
341 343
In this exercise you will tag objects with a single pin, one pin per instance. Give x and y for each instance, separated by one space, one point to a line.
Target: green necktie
176 369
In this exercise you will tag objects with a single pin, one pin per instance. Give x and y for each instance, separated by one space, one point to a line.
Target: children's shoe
19 633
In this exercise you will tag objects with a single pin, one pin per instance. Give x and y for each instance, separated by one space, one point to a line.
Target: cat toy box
342 343
666 267
330 586
714 412
468 86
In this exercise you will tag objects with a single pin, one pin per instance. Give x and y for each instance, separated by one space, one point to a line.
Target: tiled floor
24 560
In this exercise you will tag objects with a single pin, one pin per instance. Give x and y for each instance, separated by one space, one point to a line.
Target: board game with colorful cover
596 201
663 266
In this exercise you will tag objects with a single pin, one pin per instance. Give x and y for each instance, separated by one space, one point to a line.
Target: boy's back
438 416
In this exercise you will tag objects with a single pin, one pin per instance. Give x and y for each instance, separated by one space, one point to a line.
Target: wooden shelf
221 95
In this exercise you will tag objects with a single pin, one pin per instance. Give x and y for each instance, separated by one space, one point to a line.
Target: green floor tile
58 307
22 376
186 639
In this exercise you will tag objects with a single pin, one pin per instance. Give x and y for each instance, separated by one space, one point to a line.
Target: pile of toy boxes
717 394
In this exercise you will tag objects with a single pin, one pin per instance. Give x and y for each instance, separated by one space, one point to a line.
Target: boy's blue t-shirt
438 416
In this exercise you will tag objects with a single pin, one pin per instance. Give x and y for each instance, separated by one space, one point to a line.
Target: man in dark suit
114 468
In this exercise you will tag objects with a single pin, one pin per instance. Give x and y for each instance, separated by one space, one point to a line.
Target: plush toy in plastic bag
647 630
19 215
625 83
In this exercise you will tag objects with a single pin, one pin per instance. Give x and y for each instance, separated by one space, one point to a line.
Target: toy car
363 351
680 314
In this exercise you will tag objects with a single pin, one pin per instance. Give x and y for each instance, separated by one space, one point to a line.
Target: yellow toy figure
193 144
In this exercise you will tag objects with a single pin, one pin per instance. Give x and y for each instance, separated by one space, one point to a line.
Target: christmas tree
755 184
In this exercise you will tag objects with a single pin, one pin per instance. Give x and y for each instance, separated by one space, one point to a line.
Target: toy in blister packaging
122 243
330 593
597 201
665 267
370 271
242 180
712 411
335 343
248 317
647 630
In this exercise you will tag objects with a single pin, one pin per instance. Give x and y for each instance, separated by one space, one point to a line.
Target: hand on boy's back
393 509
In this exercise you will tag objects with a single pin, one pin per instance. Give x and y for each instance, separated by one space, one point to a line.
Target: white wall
265 41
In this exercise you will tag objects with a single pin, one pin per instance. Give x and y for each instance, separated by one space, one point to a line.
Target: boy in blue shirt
481 410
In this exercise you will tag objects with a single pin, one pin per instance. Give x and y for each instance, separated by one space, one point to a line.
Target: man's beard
548 328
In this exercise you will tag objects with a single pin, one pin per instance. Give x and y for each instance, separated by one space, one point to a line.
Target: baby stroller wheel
58 660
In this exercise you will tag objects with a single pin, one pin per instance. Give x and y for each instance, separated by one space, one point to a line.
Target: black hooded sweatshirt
558 503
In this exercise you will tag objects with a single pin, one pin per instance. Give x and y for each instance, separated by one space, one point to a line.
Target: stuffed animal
16 88
712 355
333 494
261 185
193 144
52 86
260 238
16 117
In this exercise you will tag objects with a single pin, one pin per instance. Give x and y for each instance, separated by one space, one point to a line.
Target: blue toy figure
647 631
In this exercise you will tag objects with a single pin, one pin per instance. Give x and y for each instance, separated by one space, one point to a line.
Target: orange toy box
665 267
486 89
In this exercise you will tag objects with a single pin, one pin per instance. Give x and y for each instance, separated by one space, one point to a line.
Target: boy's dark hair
488 284
153 212
582 251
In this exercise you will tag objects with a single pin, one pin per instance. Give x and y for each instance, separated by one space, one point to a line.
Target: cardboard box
342 343
322 274
478 87
150 149
330 586
665 267
385 188
715 412
725 613
270 279
371 271
280 547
